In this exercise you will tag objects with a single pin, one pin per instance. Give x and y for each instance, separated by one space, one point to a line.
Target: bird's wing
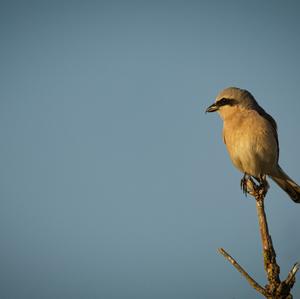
272 121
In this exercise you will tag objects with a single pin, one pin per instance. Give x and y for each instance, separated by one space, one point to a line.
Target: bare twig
290 280
251 281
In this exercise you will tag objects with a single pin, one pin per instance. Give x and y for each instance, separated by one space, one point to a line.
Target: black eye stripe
226 101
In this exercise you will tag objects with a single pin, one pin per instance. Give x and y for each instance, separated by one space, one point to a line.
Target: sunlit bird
250 135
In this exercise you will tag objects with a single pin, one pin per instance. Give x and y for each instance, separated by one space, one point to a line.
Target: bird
250 135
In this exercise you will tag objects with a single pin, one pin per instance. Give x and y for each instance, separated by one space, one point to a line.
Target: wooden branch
271 267
291 278
251 281
275 289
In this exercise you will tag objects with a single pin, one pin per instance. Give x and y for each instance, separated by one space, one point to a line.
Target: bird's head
231 99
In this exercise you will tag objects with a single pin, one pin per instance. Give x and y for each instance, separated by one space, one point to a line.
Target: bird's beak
212 108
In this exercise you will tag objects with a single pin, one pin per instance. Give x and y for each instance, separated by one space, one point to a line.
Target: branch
251 281
290 280
271 267
275 289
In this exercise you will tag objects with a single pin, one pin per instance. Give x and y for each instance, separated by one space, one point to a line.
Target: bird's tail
287 184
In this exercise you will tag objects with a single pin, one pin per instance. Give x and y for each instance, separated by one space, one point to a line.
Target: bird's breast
251 145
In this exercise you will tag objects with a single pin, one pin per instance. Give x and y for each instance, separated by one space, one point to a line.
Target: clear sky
114 183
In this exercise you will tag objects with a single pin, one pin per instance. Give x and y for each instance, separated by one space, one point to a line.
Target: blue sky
114 182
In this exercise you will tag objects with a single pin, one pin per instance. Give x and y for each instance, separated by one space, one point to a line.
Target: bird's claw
249 186
244 183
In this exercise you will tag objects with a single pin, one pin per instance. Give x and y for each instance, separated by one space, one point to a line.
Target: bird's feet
249 186
244 183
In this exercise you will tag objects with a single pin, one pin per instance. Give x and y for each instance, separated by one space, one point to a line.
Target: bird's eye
223 102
